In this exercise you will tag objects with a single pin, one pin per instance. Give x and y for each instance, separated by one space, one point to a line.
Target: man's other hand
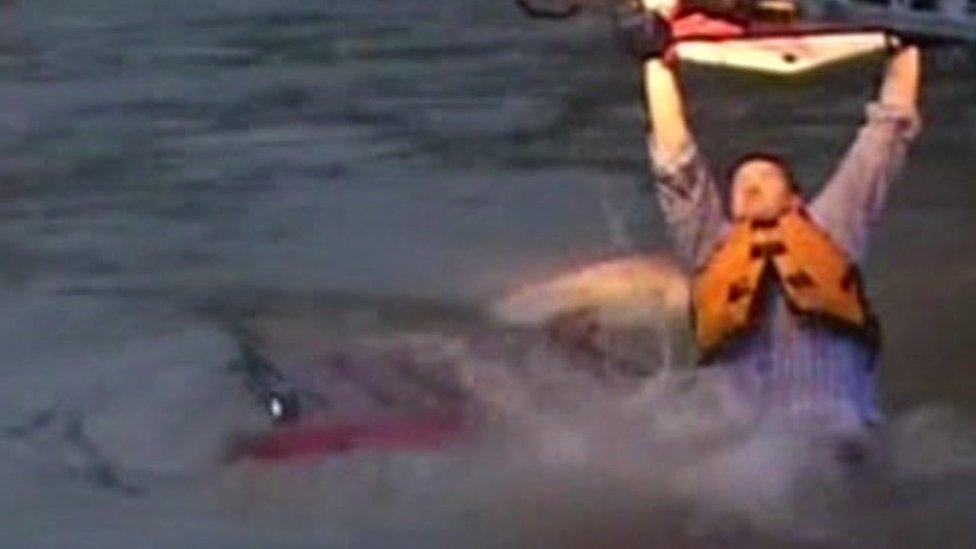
646 36
901 80
666 8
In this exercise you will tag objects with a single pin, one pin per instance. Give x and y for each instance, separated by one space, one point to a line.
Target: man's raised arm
669 135
686 188
852 200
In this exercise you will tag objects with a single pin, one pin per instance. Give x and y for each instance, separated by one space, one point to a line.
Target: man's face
761 191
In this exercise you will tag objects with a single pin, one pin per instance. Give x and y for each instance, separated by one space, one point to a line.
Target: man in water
780 316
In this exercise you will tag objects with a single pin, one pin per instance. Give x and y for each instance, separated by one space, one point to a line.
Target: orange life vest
818 279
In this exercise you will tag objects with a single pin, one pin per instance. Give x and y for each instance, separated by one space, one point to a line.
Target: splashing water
560 457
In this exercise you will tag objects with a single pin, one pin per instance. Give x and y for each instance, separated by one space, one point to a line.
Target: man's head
762 188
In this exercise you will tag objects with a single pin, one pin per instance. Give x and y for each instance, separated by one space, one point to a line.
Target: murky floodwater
387 167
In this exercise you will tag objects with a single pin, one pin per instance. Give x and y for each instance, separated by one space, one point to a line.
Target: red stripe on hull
312 441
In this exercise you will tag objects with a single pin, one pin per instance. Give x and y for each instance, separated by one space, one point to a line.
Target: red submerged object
702 27
321 440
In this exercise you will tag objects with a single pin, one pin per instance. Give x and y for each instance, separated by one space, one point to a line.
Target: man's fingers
664 7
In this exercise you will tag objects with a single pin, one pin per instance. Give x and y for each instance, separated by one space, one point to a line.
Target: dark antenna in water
263 380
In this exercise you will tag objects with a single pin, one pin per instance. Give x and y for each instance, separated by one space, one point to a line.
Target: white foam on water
130 454
664 466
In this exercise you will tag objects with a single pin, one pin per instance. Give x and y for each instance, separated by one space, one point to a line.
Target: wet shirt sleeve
690 201
854 196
